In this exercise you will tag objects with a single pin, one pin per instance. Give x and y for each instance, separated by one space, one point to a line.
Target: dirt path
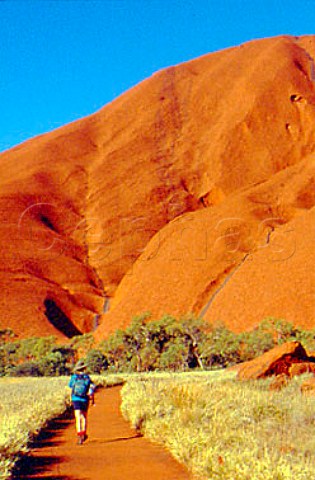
112 452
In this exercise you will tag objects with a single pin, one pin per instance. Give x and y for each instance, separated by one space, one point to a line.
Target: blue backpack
81 386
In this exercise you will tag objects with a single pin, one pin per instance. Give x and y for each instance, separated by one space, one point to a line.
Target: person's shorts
79 405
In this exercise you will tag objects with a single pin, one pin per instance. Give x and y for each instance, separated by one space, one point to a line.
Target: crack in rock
227 279
230 275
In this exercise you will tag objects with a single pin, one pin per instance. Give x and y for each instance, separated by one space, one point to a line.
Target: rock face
194 191
300 368
277 361
308 387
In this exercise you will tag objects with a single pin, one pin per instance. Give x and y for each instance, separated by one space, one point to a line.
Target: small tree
175 356
113 349
255 343
35 348
96 361
54 364
192 332
136 338
222 347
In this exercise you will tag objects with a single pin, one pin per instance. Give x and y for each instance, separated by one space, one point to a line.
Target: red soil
192 191
113 451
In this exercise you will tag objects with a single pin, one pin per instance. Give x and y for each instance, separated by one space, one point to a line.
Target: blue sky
61 60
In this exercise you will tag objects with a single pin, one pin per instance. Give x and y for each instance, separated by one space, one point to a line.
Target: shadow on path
31 466
113 451
114 440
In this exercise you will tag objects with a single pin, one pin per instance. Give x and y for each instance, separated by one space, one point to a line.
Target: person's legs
81 422
77 414
84 421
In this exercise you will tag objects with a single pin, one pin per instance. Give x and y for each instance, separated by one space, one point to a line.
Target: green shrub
54 364
96 361
27 369
149 345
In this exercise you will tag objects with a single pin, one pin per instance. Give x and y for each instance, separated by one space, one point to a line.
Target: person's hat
79 366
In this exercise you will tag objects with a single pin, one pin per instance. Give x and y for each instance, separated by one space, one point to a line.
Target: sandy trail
113 451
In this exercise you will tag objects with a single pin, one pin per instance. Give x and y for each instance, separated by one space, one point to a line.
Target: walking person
82 391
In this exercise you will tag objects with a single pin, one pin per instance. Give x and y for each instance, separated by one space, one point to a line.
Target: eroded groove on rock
231 272
222 285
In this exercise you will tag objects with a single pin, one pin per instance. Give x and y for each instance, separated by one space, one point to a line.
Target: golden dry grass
226 430
26 405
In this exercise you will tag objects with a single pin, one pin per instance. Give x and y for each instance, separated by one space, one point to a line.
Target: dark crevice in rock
272 229
300 67
59 319
46 221
203 202
296 98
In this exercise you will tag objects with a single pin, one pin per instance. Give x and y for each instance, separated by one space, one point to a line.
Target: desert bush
148 345
82 344
222 347
167 343
55 363
96 361
189 342
35 356
27 369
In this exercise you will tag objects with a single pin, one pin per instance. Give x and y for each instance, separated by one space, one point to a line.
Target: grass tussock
227 430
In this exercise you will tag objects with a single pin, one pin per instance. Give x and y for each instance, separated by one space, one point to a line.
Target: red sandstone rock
300 368
308 387
274 362
194 191
278 382
229 263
